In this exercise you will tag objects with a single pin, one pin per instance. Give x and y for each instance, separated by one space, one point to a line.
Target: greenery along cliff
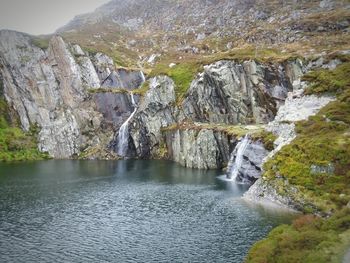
16 145
213 73
322 141
141 32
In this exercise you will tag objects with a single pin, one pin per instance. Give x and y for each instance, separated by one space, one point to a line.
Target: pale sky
42 16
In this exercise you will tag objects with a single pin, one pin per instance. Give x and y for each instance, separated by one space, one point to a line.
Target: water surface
125 211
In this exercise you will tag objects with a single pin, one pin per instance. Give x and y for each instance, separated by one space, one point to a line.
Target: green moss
331 81
107 90
308 239
41 42
16 145
142 90
267 138
317 162
182 74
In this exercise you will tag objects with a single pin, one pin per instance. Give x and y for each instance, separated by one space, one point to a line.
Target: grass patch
328 81
142 90
182 74
256 131
107 90
267 138
41 42
323 142
16 145
308 239
189 65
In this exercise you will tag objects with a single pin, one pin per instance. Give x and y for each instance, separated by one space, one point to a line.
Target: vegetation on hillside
318 160
41 42
16 145
188 66
309 239
317 164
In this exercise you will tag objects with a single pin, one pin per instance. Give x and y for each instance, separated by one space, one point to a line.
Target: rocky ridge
50 89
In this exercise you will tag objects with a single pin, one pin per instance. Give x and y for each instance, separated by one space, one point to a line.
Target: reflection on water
125 211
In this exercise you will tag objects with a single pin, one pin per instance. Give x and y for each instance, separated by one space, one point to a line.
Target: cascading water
123 134
236 163
143 77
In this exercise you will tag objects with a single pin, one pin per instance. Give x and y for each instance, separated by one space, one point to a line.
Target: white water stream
123 134
236 160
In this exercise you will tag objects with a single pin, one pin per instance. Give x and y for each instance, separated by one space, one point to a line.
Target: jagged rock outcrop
296 108
49 88
155 112
115 108
203 149
248 92
252 162
42 87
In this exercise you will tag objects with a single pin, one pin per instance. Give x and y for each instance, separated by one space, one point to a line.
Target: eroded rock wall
50 89
240 93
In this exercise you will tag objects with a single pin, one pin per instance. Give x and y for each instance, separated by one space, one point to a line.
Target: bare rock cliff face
49 88
155 112
233 93
227 92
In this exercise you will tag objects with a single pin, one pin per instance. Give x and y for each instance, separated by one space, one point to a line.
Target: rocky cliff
49 88
79 100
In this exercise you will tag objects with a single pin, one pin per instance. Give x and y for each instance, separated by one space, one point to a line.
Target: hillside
131 29
259 89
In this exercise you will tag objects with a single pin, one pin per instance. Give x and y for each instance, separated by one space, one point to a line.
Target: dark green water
125 211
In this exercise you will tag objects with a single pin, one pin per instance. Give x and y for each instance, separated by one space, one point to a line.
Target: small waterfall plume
123 134
142 76
236 160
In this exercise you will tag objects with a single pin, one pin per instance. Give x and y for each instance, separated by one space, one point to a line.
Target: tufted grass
308 239
323 140
16 145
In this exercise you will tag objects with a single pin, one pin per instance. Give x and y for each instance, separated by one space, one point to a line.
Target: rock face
49 88
204 149
226 92
122 78
115 108
253 158
155 112
232 93
296 108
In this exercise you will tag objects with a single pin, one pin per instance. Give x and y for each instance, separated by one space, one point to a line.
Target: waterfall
142 76
235 163
123 134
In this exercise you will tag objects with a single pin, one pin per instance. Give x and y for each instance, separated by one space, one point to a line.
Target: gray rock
155 112
49 89
232 93
204 149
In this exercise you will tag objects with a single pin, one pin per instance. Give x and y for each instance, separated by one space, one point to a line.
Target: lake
125 211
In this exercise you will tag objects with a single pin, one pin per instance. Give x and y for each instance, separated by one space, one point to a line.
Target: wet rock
155 112
204 149
253 160
232 93
125 79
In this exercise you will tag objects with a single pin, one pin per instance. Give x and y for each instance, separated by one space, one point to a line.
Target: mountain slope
136 28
